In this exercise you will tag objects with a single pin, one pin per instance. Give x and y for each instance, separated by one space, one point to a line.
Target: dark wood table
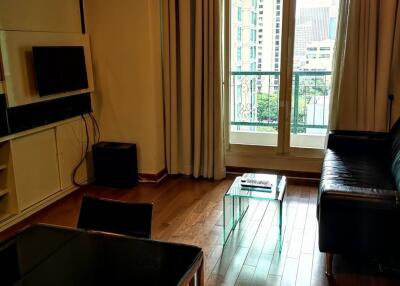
52 255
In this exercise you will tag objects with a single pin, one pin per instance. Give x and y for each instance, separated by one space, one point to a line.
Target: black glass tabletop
49 255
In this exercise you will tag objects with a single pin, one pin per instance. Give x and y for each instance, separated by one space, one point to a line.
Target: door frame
236 152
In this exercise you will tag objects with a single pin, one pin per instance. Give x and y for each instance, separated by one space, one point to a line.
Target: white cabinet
35 167
8 200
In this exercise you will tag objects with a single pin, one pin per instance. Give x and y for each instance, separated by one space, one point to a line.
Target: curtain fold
192 75
395 72
365 47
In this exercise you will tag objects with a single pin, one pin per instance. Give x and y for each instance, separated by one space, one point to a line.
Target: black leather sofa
358 207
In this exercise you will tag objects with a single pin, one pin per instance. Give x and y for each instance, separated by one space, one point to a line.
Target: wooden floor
190 211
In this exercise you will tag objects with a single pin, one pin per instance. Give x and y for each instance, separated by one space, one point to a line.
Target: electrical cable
94 131
96 139
96 125
83 156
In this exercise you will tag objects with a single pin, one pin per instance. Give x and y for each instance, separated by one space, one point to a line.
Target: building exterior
314 24
318 55
244 58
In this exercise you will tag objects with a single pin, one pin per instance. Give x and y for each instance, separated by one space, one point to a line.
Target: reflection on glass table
236 202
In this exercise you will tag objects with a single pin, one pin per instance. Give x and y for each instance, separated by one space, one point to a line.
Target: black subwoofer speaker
115 164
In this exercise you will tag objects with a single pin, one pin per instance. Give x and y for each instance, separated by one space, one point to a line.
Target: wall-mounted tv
59 69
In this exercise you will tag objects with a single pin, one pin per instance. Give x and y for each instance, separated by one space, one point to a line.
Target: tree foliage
307 89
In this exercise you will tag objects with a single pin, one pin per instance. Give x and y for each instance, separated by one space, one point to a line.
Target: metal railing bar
266 124
300 73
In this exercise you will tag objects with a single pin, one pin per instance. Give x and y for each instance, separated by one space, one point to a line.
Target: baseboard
294 175
153 178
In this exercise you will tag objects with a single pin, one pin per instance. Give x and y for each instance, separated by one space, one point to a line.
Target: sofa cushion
358 170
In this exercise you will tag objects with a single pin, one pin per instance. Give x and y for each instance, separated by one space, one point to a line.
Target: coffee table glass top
275 193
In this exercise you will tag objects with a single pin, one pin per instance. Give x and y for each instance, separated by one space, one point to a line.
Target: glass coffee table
236 202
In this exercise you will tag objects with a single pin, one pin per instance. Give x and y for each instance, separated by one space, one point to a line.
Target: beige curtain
192 75
364 51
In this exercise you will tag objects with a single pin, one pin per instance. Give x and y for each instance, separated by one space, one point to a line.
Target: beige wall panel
16 48
126 52
35 167
71 143
40 15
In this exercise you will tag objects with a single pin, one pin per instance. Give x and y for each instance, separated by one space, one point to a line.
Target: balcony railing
255 101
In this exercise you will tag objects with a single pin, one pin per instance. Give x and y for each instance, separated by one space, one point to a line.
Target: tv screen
59 69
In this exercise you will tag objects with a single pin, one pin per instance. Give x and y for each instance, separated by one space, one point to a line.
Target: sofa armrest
358 220
359 141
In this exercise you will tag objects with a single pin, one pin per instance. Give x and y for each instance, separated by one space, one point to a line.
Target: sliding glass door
280 71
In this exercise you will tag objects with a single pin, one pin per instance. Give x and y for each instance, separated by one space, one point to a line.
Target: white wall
61 16
16 53
58 21
28 191
40 15
126 50
126 53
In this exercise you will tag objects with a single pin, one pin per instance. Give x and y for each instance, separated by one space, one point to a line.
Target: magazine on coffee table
256 182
